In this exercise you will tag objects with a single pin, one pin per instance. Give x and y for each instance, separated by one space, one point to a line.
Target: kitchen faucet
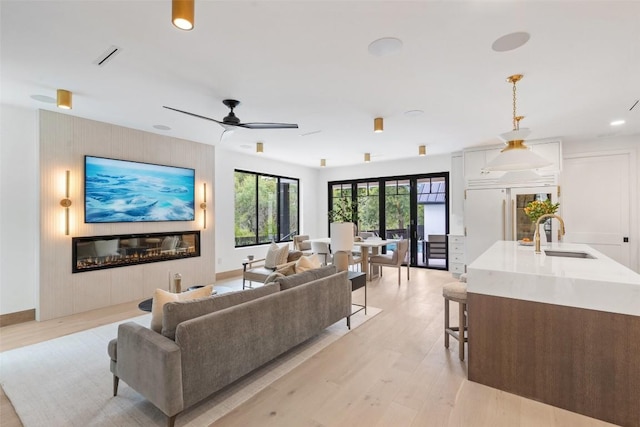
536 236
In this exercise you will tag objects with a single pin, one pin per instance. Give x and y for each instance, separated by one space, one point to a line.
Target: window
266 208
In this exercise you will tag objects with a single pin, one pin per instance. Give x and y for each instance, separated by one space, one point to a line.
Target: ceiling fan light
64 99
182 14
378 125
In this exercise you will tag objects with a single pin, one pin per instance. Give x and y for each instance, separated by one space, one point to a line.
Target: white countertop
510 270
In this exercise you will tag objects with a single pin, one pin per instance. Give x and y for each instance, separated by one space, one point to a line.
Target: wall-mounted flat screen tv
126 191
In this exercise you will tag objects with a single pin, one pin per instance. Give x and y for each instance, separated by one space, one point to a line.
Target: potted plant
342 231
535 209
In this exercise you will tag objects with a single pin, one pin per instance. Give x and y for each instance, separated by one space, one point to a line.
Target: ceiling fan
232 120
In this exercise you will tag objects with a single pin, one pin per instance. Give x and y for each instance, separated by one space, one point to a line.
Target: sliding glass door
408 207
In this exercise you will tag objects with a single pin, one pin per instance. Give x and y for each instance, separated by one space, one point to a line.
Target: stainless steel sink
569 254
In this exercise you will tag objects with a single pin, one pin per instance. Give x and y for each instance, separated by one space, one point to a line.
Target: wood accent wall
585 361
64 141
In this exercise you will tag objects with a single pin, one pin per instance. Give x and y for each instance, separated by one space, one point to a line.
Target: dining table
372 245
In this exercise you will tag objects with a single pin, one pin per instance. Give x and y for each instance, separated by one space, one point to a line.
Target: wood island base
582 360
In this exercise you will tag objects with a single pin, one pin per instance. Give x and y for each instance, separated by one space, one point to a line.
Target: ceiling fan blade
195 115
268 125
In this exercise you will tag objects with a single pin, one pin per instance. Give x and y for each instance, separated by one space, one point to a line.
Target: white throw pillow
161 297
276 255
308 263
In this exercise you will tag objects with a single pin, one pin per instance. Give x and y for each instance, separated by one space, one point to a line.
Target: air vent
107 56
634 104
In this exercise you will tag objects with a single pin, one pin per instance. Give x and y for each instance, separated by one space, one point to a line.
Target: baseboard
17 317
229 274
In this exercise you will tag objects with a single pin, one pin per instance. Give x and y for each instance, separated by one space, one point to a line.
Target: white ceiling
307 62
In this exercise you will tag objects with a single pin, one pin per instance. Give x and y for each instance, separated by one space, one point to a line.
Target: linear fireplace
121 250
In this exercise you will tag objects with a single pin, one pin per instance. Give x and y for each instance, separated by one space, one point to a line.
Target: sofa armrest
151 364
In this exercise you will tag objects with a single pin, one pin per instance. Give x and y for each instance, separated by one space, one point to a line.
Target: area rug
66 381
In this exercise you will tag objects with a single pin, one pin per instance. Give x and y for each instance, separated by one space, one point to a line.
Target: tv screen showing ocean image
126 191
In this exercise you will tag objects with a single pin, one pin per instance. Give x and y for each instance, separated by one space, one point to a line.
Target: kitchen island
563 329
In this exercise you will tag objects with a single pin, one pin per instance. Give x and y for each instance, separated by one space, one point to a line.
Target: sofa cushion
294 256
307 263
272 277
276 255
287 270
298 279
161 297
179 311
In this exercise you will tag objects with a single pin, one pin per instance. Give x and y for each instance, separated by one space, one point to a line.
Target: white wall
229 258
19 217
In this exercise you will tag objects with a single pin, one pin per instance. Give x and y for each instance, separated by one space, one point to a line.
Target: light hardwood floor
391 371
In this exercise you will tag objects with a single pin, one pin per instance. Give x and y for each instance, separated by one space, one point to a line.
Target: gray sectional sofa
211 342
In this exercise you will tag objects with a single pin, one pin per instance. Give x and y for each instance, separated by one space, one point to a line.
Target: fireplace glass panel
100 252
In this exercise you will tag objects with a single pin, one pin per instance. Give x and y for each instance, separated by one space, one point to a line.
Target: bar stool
456 291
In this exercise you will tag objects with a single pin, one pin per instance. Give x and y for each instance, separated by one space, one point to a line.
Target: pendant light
182 14
516 155
259 147
367 157
422 150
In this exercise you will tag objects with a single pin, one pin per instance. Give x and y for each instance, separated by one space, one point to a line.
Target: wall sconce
64 99
378 126
367 157
422 150
65 203
259 147
182 14
323 163
203 205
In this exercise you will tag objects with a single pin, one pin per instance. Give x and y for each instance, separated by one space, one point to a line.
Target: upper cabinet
476 159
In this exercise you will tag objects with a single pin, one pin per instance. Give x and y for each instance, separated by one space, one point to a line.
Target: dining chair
394 260
322 250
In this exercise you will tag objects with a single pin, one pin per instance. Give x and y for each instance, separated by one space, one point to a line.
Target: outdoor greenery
366 212
537 208
256 208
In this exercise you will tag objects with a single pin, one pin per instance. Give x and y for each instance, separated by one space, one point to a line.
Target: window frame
278 215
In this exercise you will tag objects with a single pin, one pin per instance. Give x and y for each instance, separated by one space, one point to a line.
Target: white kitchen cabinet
493 214
456 255
476 160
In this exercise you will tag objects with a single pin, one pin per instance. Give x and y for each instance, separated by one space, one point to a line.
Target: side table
359 280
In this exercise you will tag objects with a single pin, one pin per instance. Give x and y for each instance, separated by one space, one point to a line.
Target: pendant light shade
64 99
378 125
259 147
422 150
367 157
182 14
323 163
516 156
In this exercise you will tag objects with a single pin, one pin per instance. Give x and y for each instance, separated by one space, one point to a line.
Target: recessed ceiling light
43 98
510 41
413 113
161 127
385 46
617 122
